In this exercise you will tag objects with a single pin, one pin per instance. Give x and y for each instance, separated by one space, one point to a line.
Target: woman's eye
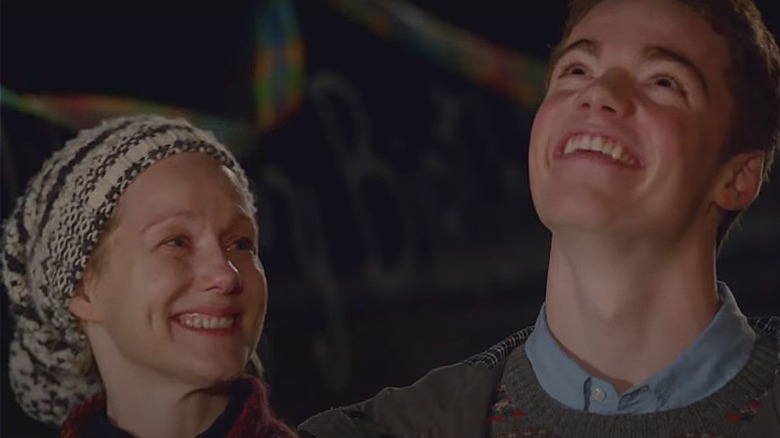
243 244
177 242
666 82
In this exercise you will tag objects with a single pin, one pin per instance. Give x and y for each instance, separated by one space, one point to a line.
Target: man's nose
609 93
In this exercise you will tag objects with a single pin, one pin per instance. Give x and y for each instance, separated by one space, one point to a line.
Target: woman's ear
740 181
83 303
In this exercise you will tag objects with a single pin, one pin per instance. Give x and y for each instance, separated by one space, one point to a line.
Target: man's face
630 136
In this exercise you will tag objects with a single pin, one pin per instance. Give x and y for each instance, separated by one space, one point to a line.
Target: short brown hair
753 77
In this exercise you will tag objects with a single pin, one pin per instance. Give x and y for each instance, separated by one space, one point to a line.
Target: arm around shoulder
450 401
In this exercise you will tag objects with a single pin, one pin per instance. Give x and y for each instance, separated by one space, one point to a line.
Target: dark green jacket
456 401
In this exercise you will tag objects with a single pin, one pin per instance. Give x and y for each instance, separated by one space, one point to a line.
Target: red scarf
255 420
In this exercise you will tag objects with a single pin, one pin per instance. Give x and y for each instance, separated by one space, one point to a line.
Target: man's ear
739 181
83 304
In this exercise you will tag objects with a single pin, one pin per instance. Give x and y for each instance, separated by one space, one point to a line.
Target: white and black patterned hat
50 236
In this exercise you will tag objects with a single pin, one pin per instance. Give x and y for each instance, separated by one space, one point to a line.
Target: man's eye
574 70
668 82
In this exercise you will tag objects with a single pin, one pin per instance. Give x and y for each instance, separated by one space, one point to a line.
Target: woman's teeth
206 322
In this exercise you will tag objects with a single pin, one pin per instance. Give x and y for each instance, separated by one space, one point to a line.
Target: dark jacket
456 401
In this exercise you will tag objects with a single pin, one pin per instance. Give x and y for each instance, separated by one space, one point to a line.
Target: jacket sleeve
451 401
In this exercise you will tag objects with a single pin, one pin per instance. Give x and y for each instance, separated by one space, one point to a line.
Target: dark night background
397 228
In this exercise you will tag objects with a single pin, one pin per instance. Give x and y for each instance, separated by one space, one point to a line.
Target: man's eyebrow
590 47
659 53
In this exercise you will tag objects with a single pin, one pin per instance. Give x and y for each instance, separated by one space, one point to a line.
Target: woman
133 276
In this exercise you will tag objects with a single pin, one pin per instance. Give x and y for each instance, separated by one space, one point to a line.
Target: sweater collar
247 414
713 359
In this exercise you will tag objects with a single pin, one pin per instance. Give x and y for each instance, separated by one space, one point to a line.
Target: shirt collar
559 376
713 359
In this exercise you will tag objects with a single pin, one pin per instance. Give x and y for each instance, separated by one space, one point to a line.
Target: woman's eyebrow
165 217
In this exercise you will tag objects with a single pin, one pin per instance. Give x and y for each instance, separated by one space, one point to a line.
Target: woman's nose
221 275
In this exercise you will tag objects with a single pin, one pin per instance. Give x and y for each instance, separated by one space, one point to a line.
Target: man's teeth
600 144
206 322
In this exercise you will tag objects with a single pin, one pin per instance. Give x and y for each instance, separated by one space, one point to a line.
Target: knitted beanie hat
50 236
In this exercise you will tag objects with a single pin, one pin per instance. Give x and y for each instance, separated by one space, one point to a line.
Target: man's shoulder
765 411
499 352
461 377
765 325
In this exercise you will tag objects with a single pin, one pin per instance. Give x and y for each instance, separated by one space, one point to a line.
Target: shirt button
598 394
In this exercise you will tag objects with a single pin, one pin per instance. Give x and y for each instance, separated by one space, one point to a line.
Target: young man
659 125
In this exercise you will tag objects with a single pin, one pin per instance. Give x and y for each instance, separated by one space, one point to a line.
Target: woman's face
179 292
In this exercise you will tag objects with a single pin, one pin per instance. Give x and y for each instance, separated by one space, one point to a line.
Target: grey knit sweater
496 394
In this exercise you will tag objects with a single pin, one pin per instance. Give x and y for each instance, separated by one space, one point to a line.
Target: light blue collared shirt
713 359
